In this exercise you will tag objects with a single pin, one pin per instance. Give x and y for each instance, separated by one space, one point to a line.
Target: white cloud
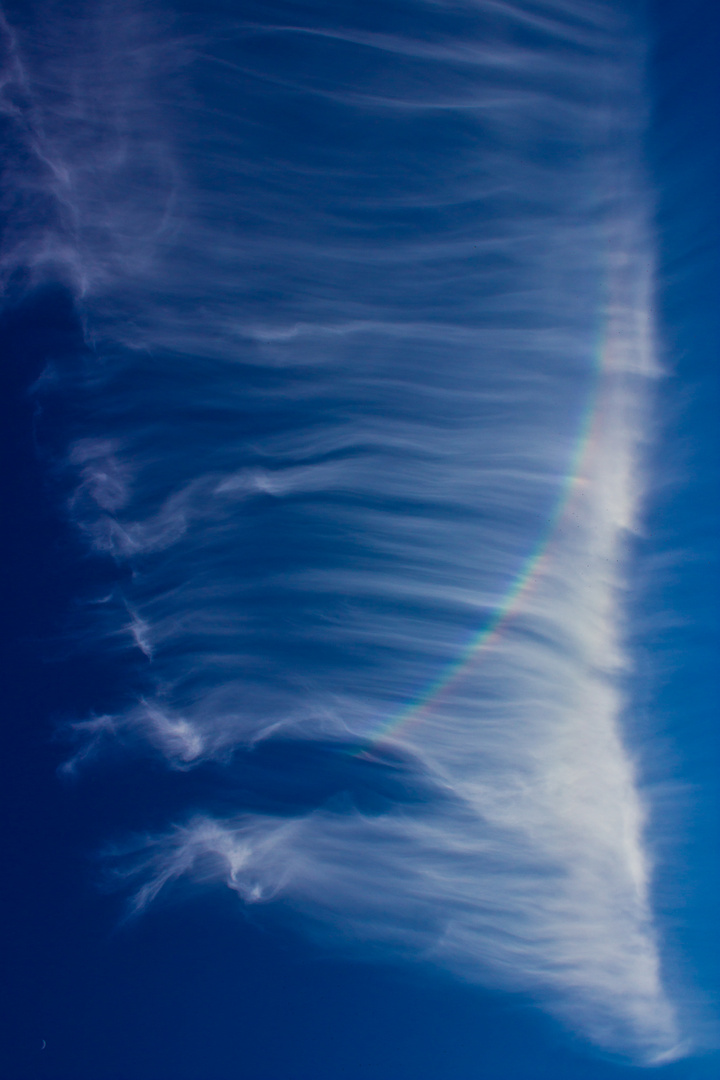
338 395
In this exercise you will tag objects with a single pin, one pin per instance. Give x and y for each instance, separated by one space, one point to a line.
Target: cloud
364 429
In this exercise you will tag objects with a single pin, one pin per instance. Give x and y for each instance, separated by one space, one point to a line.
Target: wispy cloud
379 361
529 869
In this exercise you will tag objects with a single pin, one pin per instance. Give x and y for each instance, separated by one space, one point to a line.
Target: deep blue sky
202 986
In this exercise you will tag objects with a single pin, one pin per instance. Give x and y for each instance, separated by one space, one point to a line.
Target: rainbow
414 712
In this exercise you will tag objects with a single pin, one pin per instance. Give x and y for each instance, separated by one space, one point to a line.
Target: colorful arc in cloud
415 712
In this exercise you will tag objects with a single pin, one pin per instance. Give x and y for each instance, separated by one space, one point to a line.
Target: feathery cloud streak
369 315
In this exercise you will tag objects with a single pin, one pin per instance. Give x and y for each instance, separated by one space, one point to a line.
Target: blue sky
362 580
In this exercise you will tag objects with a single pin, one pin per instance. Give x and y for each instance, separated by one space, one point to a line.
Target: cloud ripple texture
357 434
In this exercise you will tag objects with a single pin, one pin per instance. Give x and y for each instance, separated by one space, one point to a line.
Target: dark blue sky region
360 540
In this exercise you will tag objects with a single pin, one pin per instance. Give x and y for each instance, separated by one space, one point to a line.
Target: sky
360 547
